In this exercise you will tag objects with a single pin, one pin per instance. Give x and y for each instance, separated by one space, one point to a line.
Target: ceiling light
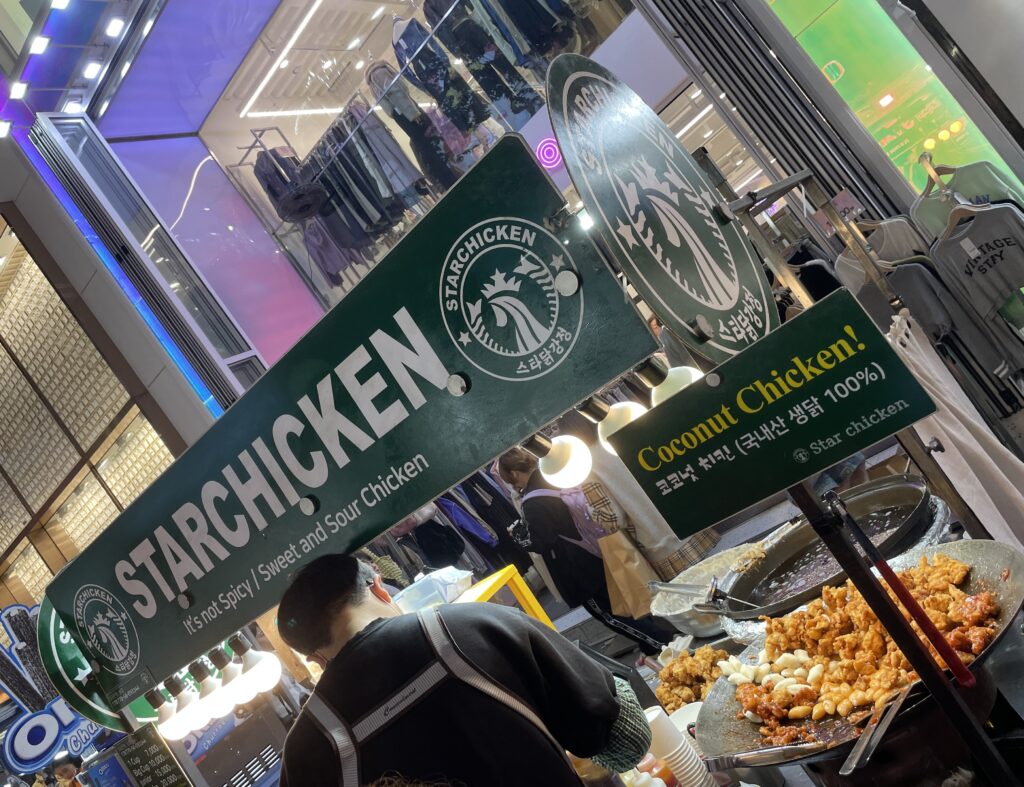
5 129
354 43
739 162
74 106
105 107
284 54
586 221
291 113
60 5
457 61
619 415
700 116
38 45
678 378
115 26
18 90
568 463
378 12
147 27
92 69
124 69
721 95
708 133
325 64
753 176
284 63
695 94
360 64
885 100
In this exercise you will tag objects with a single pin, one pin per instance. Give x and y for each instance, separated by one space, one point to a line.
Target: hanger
961 211
934 175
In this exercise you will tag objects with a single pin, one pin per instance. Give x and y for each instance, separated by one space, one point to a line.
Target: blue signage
48 724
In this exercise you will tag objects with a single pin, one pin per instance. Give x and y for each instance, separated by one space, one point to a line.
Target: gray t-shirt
983 260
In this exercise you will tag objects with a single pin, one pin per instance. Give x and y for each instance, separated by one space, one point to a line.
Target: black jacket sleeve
572 695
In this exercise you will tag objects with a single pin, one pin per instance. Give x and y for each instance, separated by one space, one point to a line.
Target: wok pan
908 493
994 567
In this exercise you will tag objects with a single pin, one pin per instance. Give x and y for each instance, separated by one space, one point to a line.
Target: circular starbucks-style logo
106 626
656 211
500 303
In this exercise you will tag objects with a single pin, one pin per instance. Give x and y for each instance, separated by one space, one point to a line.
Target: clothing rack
755 202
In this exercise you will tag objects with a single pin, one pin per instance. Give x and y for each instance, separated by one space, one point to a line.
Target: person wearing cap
471 694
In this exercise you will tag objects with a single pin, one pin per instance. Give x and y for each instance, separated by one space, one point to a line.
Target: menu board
141 759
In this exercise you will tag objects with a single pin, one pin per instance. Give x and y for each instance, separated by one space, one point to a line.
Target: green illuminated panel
886 83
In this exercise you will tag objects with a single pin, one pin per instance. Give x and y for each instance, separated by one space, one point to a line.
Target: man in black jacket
474 694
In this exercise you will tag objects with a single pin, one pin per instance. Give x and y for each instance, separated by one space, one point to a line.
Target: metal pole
830 529
771 256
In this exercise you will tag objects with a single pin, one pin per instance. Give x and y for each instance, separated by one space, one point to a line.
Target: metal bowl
907 494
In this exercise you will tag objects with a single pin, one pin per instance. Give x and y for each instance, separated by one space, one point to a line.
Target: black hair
317 591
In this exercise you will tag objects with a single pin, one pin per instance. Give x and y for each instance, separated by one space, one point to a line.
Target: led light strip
291 113
277 63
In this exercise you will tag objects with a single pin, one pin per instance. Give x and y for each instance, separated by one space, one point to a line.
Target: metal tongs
873 733
713 595
756 758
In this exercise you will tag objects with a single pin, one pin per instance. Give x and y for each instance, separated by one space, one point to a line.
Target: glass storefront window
342 140
887 84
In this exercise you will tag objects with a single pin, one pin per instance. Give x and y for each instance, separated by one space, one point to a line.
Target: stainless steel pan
994 567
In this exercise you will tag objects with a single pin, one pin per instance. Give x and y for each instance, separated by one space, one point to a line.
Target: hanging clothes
402 175
425 64
979 183
983 259
940 314
425 139
458 30
538 27
986 474
279 172
483 497
325 253
894 239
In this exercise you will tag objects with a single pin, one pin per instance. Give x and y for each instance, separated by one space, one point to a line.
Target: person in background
675 351
554 535
620 503
472 694
66 770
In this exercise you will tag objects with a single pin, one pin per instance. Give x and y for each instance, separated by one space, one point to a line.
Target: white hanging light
225 700
678 378
165 709
619 415
260 671
217 702
568 463
191 714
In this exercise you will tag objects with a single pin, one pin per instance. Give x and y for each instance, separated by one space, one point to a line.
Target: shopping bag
627 573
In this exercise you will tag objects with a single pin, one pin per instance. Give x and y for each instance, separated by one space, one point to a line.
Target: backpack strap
541 493
461 668
337 732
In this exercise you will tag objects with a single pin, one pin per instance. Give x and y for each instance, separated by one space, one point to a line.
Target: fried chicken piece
974 610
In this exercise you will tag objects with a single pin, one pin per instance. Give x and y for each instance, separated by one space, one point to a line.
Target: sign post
810 394
481 326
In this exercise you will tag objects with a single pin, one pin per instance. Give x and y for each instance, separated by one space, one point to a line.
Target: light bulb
165 709
192 715
224 701
217 702
568 462
619 415
678 378
261 669
169 722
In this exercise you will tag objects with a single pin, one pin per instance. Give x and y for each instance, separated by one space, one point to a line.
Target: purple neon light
548 154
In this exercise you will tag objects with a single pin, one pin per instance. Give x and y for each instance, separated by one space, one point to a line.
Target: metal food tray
994 566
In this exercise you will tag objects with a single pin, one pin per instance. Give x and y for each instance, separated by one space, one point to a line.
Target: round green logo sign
655 210
500 303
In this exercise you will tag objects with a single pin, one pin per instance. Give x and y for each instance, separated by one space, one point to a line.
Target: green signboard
820 388
655 210
476 330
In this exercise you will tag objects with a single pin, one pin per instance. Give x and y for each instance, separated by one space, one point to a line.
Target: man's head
516 466
329 601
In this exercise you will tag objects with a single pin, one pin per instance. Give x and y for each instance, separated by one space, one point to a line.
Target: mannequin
425 64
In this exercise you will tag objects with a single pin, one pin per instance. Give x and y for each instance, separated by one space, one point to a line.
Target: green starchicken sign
820 388
479 327
655 210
